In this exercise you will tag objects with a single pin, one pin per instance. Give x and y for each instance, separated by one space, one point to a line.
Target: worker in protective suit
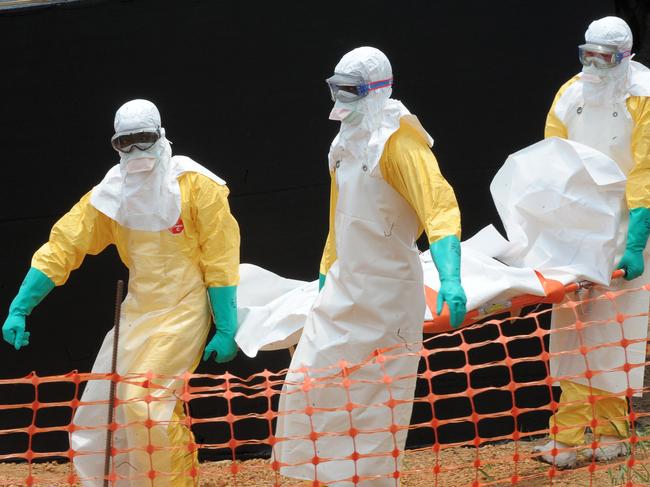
605 107
170 221
340 425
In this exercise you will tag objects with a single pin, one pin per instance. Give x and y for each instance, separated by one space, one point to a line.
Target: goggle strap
375 85
622 55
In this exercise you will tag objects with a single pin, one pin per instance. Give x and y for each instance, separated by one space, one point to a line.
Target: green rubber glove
637 237
446 257
224 307
34 288
321 281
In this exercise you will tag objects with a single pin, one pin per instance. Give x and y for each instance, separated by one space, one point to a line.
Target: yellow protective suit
165 318
408 165
637 194
576 413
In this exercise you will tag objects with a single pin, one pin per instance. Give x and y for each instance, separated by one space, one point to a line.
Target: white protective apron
373 299
607 128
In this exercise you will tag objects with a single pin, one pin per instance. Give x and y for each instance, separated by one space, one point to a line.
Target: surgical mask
138 161
346 113
591 74
354 118
141 164
595 75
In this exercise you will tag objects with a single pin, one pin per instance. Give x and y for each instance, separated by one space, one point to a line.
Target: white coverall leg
348 427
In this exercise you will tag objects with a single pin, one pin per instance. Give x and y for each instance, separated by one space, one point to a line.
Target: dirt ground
497 469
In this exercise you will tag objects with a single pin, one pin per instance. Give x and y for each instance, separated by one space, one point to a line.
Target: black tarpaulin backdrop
240 86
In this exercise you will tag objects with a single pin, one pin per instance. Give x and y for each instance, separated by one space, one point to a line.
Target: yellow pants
182 459
174 437
575 413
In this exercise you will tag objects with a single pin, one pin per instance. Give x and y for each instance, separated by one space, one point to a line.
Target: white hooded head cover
372 65
142 192
608 85
367 123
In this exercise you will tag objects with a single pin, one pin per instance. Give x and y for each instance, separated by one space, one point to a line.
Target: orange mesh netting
483 399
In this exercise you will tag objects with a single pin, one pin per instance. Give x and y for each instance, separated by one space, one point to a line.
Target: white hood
135 193
605 86
365 140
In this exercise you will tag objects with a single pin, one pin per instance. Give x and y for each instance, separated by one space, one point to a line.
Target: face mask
354 118
339 114
138 161
346 113
141 164
617 74
591 74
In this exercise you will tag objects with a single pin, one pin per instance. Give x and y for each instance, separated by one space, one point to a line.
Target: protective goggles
348 87
601 55
143 140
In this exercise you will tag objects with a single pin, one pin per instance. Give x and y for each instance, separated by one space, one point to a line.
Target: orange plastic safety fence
483 400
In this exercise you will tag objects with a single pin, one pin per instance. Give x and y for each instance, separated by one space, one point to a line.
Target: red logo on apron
178 227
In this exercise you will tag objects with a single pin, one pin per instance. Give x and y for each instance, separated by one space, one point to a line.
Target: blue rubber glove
321 281
224 307
34 288
446 256
637 237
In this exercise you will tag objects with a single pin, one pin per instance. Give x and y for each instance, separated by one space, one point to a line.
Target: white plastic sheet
561 203
271 309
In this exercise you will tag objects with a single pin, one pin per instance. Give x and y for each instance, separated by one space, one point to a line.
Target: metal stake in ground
111 396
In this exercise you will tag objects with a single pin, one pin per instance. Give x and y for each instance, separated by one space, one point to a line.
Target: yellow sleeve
218 232
329 253
554 127
410 167
637 191
83 230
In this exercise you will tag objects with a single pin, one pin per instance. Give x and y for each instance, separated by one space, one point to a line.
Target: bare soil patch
497 467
